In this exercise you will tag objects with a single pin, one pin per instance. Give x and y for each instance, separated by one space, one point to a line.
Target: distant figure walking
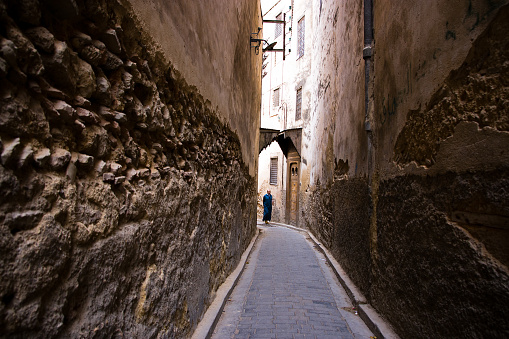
267 207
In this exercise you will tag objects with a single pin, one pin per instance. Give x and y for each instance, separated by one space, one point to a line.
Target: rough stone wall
419 219
126 200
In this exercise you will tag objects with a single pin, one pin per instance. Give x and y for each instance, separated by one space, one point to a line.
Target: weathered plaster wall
127 198
421 227
206 42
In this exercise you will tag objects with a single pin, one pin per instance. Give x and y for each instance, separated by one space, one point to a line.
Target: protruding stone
9 53
92 54
85 162
59 159
42 157
4 68
21 221
81 102
132 174
71 171
10 150
42 39
26 156
60 67
144 173
80 40
101 167
119 180
103 90
127 79
120 117
109 177
111 41
79 125
85 82
157 147
106 113
86 115
115 168
112 62
65 110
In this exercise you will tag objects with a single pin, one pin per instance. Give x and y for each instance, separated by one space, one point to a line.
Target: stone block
106 113
41 38
101 167
8 51
65 110
26 156
59 159
86 115
10 151
120 117
109 177
42 157
85 162
119 180
111 41
71 171
115 168
132 174
81 102
85 79
79 125
112 62
59 66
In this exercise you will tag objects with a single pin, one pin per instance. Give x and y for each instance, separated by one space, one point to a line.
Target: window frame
273 169
301 36
298 104
278 103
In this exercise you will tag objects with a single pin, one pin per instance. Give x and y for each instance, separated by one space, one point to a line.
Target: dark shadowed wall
127 163
414 203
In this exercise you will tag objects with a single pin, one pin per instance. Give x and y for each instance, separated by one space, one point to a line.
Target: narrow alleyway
288 291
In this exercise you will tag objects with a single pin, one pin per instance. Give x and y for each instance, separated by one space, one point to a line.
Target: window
301 32
273 171
298 105
279 27
275 98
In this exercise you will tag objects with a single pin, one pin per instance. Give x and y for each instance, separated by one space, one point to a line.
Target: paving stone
284 293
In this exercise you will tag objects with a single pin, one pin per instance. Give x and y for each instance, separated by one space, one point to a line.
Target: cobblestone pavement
288 291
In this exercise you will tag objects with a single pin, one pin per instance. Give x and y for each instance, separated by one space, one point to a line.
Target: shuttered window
298 105
273 171
279 27
301 32
275 97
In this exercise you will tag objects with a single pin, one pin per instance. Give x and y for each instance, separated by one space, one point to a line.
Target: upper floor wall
213 54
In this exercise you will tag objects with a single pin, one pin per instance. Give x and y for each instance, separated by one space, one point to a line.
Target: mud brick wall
411 198
125 200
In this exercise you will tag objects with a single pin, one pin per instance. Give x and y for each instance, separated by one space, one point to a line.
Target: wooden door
294 192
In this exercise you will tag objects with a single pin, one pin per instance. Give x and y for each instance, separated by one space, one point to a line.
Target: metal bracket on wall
270 47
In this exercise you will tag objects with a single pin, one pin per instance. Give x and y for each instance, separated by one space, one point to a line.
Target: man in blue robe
267 207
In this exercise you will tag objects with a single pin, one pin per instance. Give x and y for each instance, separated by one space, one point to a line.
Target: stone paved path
288 291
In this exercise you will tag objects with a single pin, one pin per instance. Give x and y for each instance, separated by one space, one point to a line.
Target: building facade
404 167
286 94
